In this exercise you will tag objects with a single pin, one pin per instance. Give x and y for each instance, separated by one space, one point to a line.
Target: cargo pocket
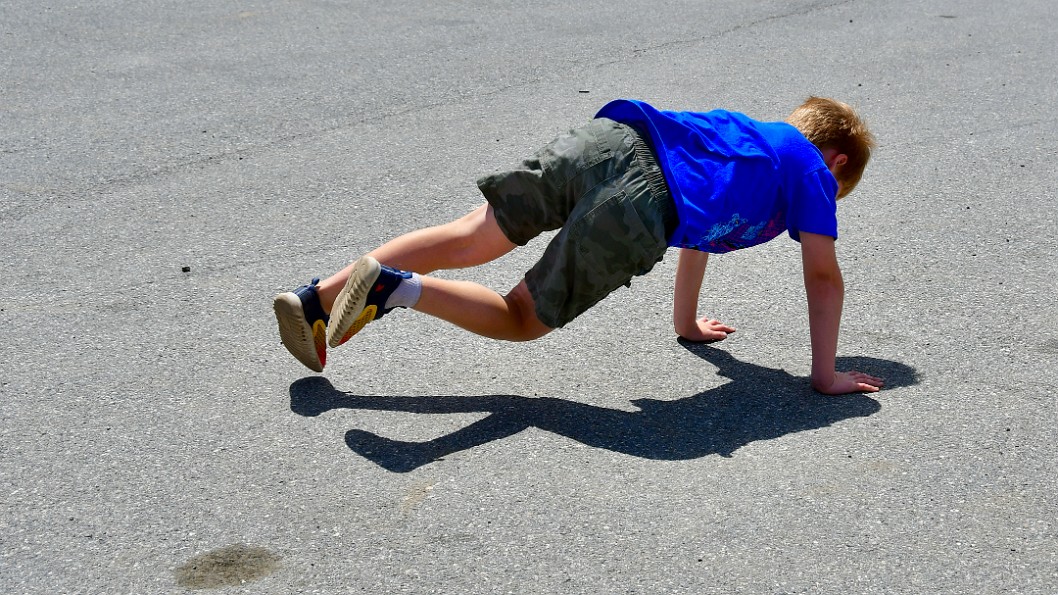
614 244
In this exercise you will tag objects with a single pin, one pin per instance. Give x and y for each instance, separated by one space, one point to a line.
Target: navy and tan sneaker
303 325
363 299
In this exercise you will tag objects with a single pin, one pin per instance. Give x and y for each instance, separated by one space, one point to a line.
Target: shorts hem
495 200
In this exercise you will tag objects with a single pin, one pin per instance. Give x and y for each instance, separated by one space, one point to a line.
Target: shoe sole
299 337
349 316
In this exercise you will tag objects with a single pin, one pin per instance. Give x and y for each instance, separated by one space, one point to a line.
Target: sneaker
363 299
303 325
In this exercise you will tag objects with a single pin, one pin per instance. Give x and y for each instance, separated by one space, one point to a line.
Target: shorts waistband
659 188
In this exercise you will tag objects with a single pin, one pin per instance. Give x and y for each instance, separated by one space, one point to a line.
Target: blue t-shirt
736 182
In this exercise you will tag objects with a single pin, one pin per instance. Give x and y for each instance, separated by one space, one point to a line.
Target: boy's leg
471 240
303 314
371 291
483 311
540 195
617 228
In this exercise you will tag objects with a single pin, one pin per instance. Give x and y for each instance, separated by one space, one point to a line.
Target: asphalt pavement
167 167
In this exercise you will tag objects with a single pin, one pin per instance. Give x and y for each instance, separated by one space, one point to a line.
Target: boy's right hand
848 382
704 330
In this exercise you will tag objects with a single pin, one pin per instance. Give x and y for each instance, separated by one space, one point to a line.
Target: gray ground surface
155 436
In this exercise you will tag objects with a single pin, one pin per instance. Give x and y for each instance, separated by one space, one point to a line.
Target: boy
621 190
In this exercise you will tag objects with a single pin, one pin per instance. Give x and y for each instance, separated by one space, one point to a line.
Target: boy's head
836 129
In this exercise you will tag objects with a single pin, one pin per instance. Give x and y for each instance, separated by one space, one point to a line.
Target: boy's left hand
849 382
706 330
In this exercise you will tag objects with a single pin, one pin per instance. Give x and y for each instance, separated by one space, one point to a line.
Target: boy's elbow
827 277
825 286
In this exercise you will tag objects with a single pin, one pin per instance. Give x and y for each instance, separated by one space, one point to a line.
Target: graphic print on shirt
738 233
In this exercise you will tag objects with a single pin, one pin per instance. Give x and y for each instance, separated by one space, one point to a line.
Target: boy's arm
689 273
826 294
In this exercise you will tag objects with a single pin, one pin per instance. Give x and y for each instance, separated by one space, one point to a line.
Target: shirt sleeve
814 206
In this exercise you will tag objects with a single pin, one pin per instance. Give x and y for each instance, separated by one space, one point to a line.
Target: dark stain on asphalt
226 567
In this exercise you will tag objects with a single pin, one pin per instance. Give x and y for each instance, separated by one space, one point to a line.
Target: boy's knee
527 326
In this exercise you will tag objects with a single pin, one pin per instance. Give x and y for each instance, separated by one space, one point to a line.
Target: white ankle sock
407 293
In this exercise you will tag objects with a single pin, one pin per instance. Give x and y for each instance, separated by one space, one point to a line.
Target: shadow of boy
760 403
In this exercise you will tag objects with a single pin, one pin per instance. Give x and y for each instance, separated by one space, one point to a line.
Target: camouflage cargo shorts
601 186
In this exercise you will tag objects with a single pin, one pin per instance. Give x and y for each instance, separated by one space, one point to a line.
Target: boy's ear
834 158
